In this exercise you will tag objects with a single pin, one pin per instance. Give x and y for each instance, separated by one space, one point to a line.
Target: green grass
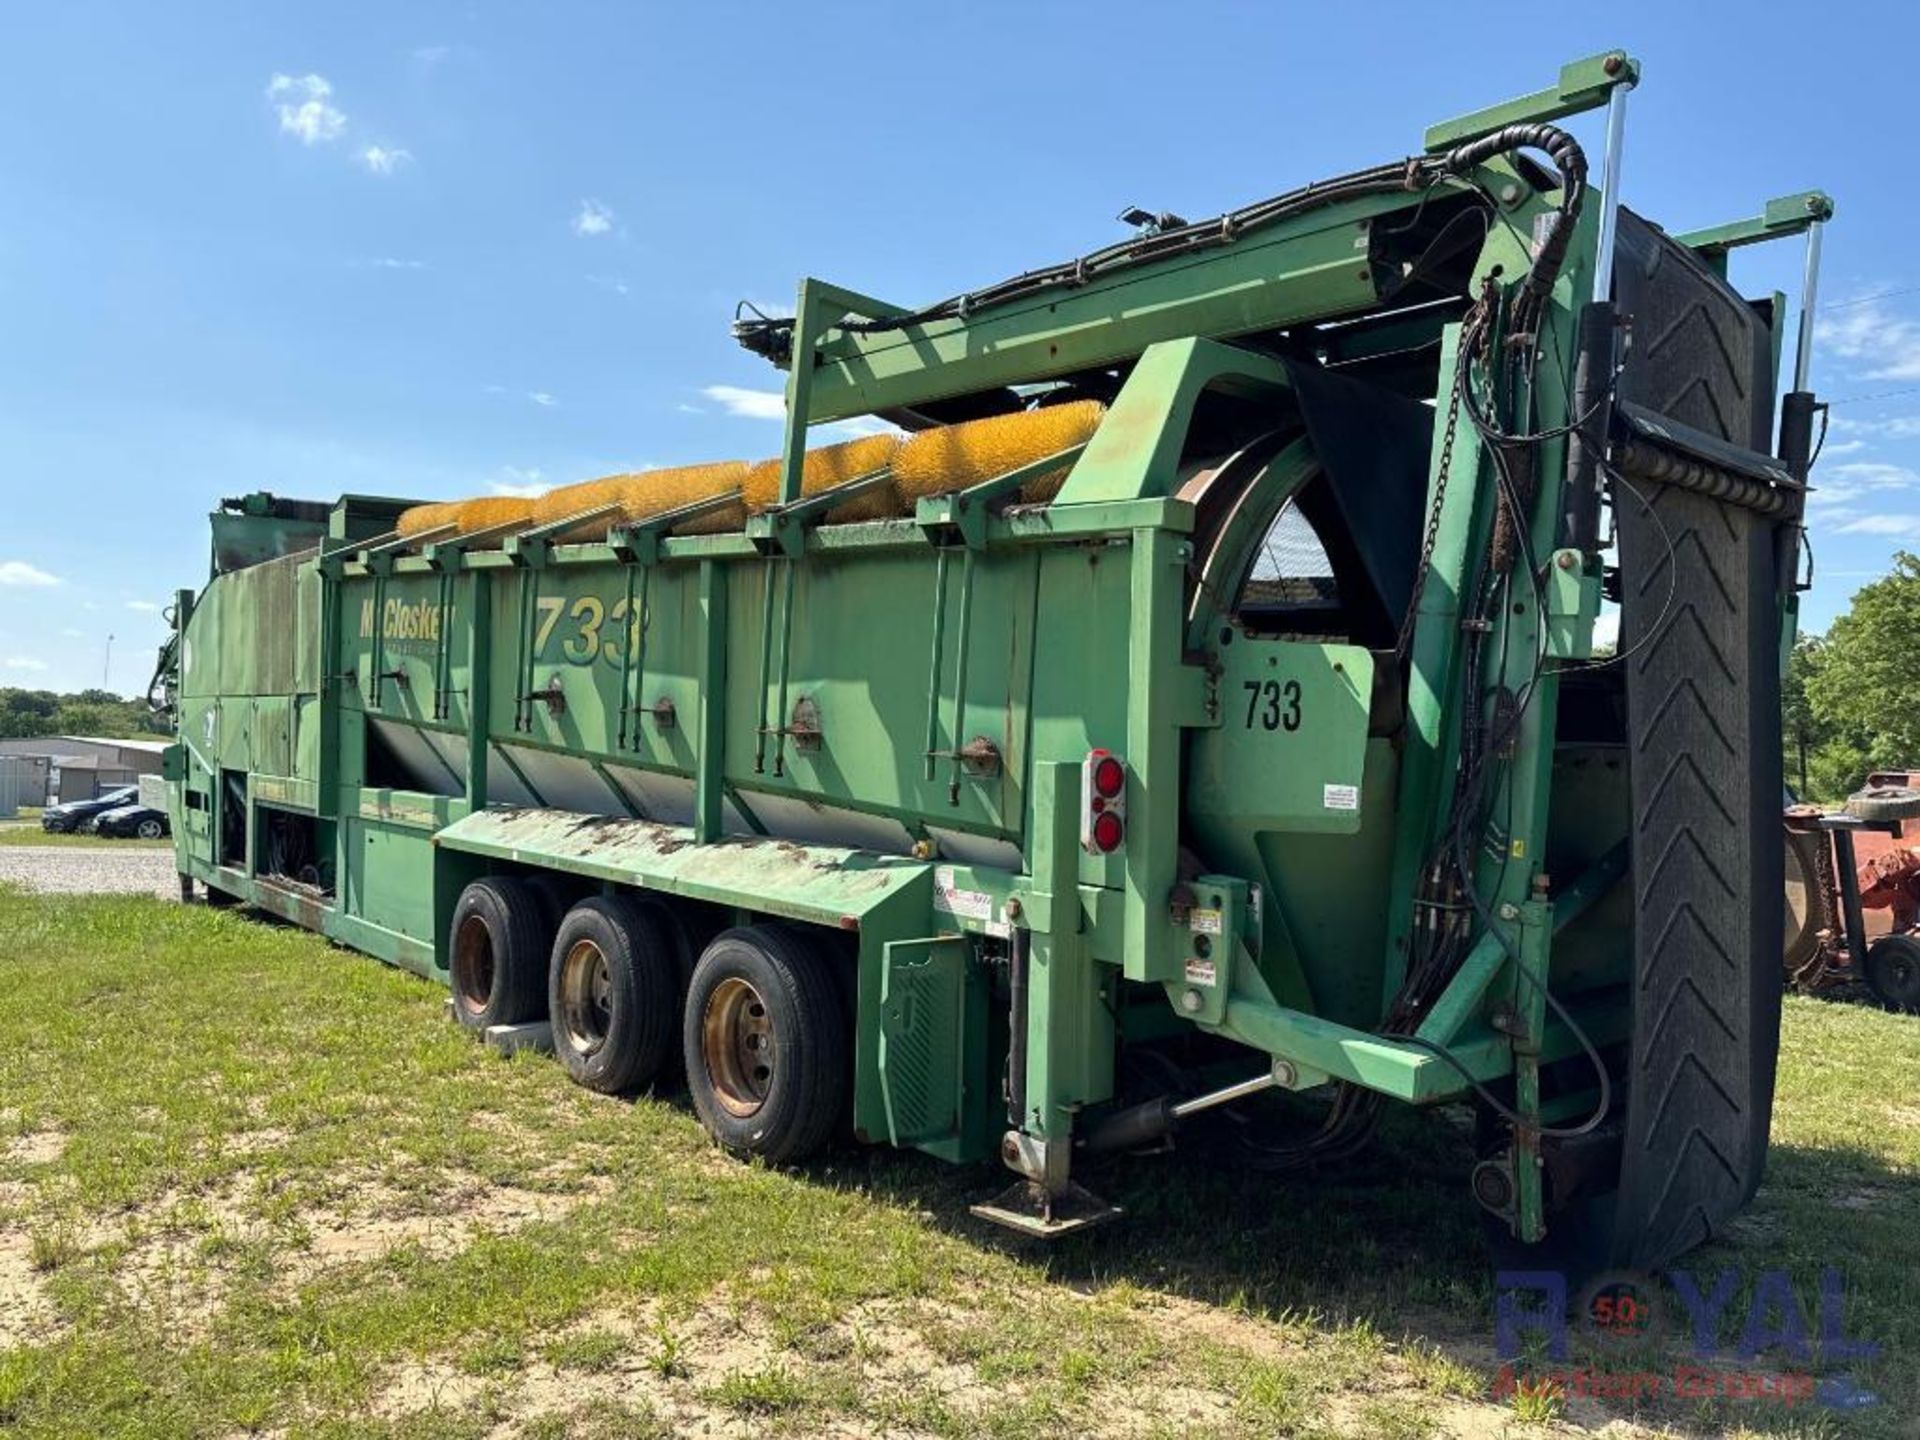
249 1183
33 835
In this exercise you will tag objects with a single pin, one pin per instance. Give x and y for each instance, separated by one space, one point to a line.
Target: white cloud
1894 427
23 662
752 404
1903 527
1841 447
145 607
73 634
593 219
304 103
527 484
542 399
1606 626
686 409
431 55
382 160
388 262
616 283
1857 478
19 572
1883 346
772 405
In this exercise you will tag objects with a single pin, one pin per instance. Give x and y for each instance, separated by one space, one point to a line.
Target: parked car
138 821
77 814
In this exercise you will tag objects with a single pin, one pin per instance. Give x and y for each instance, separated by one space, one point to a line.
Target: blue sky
436 249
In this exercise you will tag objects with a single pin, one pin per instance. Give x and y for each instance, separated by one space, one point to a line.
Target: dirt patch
443 1221
41 1147
425 1387
27 1316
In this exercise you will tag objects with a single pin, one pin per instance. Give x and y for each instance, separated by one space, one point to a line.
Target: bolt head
1509 911
1284 1074
1192 1002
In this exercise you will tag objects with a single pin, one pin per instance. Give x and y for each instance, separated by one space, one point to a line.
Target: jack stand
1029 1208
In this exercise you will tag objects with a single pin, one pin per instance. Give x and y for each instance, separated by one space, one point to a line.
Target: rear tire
1893 973
766 1041
497 949
151 830
613 990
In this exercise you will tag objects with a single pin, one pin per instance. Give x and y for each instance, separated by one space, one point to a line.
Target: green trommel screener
1185 686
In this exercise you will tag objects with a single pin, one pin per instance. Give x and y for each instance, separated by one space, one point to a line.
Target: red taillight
1103 802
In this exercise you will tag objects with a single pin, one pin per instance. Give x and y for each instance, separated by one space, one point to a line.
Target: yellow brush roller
419 519
827 467
467 515
488 511
953 457
716 522
640 496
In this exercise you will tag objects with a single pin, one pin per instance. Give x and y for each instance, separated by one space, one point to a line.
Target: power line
1869 299
1877 395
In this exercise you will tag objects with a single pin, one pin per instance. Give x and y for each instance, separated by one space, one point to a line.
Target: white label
1204 922
966 904
1340 797
1200 972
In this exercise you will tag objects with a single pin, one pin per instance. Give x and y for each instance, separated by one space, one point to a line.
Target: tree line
1851 699
26 713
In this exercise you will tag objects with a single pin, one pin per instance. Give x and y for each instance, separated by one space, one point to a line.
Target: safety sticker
965 904
1204 922
1340 797
1200 972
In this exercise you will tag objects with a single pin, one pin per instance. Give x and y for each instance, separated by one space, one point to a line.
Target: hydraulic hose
772 337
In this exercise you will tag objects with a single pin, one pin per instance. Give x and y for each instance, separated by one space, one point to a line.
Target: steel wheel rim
472 965
586 997
737 1042
149 829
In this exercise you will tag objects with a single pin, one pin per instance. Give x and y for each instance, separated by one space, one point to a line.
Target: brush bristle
640 497
933 462
418 519
490 510
827 467
954 457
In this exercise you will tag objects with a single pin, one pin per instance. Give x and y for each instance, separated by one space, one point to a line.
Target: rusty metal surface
827 884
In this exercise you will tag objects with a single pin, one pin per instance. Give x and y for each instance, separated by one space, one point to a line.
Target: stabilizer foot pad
536 1035
1029 1209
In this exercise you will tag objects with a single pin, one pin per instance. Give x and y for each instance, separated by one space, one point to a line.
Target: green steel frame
531 672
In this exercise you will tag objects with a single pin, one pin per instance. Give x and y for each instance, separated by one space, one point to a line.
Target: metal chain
1405 641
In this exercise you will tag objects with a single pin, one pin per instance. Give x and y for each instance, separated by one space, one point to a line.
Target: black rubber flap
1369 506
1703 708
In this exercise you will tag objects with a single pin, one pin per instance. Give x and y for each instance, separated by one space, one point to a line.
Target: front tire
767 1047
151 830
1893 973
497 949
613 992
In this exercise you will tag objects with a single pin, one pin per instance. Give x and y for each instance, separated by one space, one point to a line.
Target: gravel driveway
79 870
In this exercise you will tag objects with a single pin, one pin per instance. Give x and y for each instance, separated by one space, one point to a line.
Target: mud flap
1701 650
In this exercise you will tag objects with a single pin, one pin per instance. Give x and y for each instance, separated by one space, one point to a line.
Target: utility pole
106 670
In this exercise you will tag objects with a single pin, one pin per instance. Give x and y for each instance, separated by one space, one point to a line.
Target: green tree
1862 685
